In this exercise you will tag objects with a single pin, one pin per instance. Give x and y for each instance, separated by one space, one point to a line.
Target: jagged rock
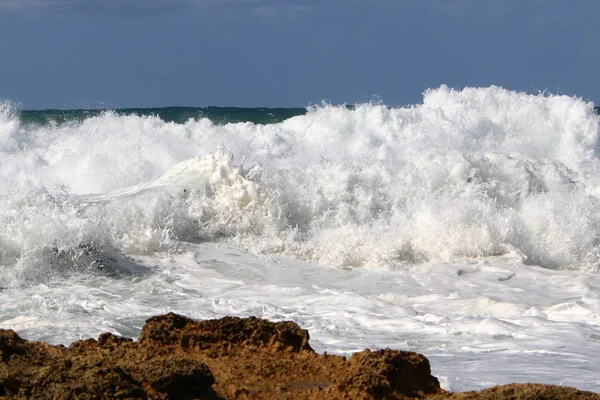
523 391
110 368
11 343
230 358
253 358
384 373
224 335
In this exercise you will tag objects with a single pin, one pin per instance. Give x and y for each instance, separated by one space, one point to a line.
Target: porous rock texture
230 358
523 391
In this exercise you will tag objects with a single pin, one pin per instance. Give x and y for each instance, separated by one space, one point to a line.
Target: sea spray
471 173
464 228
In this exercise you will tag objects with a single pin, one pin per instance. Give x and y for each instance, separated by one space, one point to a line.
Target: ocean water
466 227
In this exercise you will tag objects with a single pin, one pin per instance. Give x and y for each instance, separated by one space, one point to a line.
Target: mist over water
462 224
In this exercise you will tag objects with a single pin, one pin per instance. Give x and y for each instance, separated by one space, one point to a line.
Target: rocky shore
230 358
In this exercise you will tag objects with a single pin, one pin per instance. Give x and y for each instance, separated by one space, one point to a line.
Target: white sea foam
469 173
463 226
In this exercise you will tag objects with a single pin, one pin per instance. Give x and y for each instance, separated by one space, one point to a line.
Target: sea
465 227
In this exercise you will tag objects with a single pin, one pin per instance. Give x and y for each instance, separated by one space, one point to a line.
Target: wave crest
467 173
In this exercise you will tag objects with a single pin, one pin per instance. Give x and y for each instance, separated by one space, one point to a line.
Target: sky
288 53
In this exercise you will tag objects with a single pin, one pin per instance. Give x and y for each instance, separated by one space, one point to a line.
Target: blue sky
142 53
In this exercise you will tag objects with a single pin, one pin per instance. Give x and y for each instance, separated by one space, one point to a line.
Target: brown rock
230 358
253 358
110 368
223 335
386 373
523 391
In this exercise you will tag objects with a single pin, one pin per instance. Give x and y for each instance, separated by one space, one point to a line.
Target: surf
469 173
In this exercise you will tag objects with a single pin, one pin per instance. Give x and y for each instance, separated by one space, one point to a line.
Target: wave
468 173
179 115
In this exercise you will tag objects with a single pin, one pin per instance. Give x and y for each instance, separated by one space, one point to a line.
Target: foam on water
463 226
469 173
491 321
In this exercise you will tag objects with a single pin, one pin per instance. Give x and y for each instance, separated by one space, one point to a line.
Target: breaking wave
468 173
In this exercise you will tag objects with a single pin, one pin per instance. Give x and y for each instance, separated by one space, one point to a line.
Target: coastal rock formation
111 367
523 391
230 358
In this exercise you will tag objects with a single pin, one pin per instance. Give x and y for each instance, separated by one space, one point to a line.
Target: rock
224 335
11 344
230 358
385 373
253 358
523 391
112 367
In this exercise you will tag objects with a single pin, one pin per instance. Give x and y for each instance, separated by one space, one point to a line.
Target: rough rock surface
230 358
524 391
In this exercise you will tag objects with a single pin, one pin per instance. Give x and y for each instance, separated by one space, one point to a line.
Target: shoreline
229 358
